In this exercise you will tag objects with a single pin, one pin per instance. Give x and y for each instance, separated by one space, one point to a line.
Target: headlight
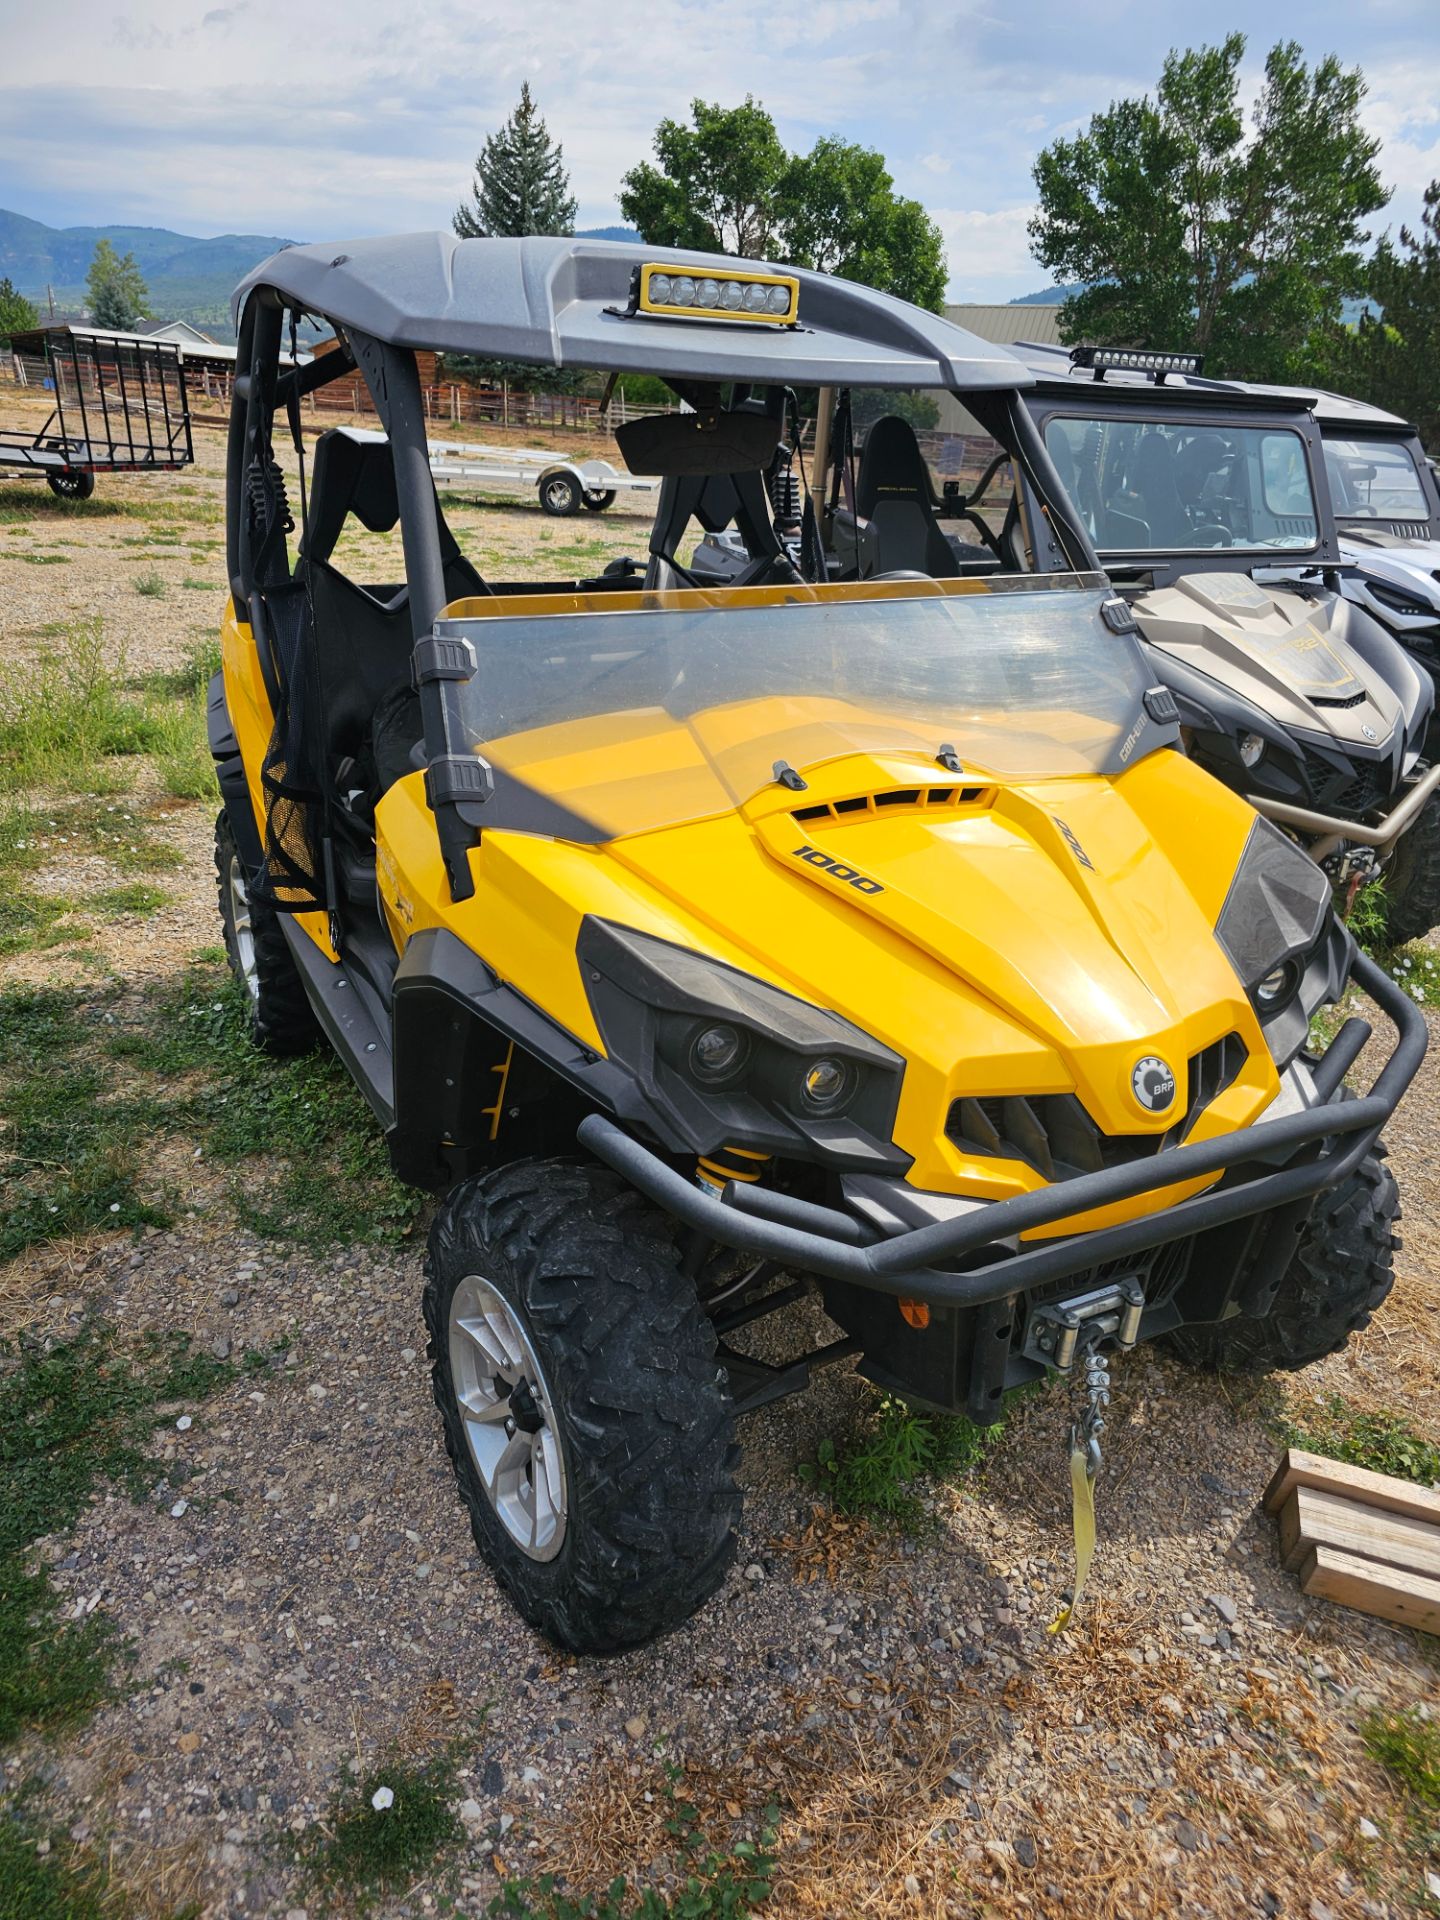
709 1057
1252 748
1281 937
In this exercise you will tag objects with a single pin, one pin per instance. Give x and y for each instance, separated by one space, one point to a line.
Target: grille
1330 700
912 798
1356 789
1159 1269
1053 1133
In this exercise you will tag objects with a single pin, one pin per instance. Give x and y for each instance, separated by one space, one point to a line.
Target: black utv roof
1053 372
563 302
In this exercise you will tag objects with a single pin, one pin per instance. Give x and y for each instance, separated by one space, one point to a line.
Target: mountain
1047 296
189 278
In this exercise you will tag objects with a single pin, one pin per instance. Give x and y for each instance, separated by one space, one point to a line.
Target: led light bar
1135 360
679 293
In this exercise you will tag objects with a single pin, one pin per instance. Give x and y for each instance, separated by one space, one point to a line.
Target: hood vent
911 799
1053 1133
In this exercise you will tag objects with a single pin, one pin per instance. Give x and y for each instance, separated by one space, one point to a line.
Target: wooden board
1300 1469
1313 1517
1390 1593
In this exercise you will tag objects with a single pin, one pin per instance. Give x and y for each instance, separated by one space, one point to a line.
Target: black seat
893 492
1152 482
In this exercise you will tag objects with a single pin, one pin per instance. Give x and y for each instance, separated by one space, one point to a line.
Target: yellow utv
705 945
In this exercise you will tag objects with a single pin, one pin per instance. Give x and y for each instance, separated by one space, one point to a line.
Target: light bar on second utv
772 298
1135 360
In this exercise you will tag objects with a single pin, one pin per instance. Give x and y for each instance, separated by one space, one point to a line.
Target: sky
322 123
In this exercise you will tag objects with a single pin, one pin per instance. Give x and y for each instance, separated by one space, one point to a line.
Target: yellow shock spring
730 1163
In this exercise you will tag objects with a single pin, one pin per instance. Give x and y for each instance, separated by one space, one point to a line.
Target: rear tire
281 1019
607 1509
599 499
1342 1270
1412 879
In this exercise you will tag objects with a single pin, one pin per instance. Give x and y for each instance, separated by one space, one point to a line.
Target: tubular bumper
1334 830
823 1240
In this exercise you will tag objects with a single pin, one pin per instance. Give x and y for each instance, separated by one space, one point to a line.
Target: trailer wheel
599 498
1412 879
584 1410
560 494
280 1016
1341 1271
74 483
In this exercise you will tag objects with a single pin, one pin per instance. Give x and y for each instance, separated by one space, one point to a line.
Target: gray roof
554 301
1020 320
1336 410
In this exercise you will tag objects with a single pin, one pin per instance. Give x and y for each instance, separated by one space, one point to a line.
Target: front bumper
1323 1146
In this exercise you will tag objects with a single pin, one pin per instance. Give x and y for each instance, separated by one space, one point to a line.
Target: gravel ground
302 1594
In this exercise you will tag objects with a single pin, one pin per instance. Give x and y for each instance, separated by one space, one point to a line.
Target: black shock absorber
787 503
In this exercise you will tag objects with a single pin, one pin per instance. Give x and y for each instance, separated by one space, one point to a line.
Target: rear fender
230 773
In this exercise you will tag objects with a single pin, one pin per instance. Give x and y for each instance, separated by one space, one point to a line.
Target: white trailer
562 485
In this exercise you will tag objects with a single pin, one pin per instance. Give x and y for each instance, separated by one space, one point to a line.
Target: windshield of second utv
682 703
1374 480
1159 486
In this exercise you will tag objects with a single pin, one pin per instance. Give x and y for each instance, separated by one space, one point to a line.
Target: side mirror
683 445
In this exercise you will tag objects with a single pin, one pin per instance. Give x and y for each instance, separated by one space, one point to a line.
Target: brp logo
1369 732
1153 1083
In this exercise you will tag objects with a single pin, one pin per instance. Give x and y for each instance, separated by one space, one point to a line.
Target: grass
362 1850
64 1882
63 717
709 1883
879 1473
90 1085
1407 1745
73 1416
151 585
138 896
32 922
1383 1442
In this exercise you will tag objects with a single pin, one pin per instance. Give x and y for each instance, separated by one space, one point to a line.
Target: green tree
725 184
1185 229
118 294
520 184
839 212
716 186
1395 361
17 314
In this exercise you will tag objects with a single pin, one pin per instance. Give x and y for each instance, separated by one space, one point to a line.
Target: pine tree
521 185
17 314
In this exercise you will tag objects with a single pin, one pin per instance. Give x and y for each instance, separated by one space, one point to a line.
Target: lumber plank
1301 1469
1406 1599
1314 1517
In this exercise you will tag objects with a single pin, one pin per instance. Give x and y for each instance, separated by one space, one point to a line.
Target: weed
72 1417
1383 1442
193 675
879 1472
46 559
151 585
199 586
1417 969
364 1849
1366 918
58 719
1408 1747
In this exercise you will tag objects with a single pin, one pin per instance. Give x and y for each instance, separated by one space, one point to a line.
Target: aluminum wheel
244 928
509 1417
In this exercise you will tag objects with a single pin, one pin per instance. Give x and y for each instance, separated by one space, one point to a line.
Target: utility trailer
120 406
563 486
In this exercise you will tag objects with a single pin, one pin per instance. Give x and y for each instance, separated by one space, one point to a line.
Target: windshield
1156 486
1374 480
674 705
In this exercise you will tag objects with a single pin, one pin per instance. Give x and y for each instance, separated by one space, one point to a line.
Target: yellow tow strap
1082 1502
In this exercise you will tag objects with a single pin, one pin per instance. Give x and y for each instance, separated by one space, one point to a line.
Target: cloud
989 253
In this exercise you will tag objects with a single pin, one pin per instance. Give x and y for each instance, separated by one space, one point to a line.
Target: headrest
891 462
353 474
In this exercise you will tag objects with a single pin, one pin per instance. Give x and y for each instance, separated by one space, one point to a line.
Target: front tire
560 495
584 1411
281 1019
1341 1272
1412 879
72 484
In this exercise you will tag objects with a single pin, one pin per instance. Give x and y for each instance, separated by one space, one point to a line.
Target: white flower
382 1798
